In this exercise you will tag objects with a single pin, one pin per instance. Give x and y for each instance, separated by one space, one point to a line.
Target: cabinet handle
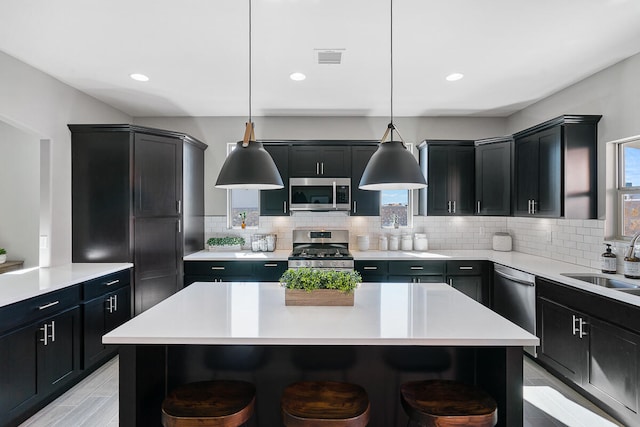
217 268
179 206
45 334
533 207
478 206
449 206
115 303
355 207
322 168
110 304
113 282
454 206
179 226
573 324
51 304
271 265
370 267
582 333
450 282
465 268
284 207
53 331
417 267
529 206
317 168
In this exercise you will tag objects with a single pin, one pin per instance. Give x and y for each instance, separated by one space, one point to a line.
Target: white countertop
20 285
277 255
384 314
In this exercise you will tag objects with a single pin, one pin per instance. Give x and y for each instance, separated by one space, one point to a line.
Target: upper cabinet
450 176
329 161
276 202
555 166
493 176
363 202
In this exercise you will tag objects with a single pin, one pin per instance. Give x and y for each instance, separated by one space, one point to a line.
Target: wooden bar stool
218 403
442 403
324 404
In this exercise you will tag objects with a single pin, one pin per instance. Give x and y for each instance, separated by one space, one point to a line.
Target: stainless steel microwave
320 194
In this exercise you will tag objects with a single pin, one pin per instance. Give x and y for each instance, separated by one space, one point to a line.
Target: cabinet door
158 260
372 271
157 175
336 161
562 347
526 174
118 310
304 161
438 179
363 202
18 370
493 179
58 349
548 202
276 202
468 285
435 278
461 180
613 367
268 271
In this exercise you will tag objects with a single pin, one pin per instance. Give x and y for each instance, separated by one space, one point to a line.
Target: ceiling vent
330 56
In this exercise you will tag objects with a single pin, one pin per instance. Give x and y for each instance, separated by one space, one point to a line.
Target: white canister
406 243
363 243
420 242
393 243
383 243
502 242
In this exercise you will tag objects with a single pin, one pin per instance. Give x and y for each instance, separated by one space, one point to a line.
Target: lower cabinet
592 342
472 278
372 271
233 271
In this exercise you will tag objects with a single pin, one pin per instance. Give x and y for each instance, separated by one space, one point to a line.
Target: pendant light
392 166
249 165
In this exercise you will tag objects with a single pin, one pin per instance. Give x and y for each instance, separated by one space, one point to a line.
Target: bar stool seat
442 403
325 404
221 403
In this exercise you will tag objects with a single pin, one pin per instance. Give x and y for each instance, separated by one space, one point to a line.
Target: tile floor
94 403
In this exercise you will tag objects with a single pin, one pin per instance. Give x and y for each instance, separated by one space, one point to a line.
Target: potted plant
227 243
308 286
3 255
243 217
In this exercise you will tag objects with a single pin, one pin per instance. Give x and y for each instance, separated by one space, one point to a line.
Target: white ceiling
512 52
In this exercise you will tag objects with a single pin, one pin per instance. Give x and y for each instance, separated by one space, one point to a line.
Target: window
629 188
242 202
395 208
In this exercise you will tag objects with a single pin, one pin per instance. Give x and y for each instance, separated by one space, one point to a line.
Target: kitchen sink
605 281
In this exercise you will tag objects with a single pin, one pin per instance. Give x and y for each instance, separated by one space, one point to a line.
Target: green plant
226 241
310 279
3 251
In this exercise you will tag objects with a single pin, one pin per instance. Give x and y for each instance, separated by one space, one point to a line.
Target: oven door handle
334 194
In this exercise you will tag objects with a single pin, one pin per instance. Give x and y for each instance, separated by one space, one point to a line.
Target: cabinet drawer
416 268
460 268
269 271
105 284
38 307
217 268
371 267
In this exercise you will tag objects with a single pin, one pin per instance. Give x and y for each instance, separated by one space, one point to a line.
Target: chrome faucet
631 249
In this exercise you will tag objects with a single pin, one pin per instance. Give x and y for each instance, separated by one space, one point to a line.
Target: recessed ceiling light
297 77
454 76
139 77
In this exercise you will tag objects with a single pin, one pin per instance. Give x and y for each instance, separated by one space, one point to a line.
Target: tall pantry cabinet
137 196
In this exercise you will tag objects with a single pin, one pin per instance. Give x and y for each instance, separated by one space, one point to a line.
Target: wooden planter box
318 297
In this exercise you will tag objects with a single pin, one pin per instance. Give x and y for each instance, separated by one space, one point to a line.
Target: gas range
321 249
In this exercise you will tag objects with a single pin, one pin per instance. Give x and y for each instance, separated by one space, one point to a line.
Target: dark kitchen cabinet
416 271
555 168
233 271
592 342
472 278
493 176
133 201
363 202
276 202
310 160
40 342
449 169
372 271
106 305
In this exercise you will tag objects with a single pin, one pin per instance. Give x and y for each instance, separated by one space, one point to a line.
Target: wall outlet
44 242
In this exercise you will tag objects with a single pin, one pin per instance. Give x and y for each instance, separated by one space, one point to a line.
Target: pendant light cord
391 63
249 61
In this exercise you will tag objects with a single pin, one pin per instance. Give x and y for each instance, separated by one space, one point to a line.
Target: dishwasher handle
515 279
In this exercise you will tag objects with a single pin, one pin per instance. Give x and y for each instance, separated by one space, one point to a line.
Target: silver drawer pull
217 268
271 265
113 282
466 268
370 268
417 268
51 304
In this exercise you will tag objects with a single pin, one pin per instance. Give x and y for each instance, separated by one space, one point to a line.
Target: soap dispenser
609 261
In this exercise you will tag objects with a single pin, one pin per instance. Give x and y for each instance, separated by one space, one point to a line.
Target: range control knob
307 263
320 263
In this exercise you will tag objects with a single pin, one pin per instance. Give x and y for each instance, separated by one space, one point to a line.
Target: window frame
410 199
621 189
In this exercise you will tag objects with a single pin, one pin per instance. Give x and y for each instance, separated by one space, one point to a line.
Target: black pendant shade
392 167
249 167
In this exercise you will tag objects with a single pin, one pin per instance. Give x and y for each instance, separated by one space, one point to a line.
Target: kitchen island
395 332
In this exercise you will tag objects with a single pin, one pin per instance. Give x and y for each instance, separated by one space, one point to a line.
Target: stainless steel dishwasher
514 298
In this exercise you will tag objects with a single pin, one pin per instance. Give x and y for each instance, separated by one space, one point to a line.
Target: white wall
216 132
19 194
43 106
